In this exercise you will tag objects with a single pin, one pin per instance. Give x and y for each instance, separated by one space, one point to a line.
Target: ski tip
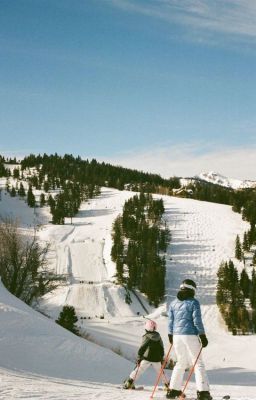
131 388
139 387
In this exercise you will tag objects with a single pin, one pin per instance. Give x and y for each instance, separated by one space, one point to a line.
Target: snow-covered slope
81 252
31 342
219 179
39 359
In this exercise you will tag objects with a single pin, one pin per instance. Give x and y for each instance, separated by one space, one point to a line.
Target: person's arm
143 347
162 348
170 322
170 325
197 319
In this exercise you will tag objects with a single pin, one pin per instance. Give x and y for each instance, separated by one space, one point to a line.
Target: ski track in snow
203 235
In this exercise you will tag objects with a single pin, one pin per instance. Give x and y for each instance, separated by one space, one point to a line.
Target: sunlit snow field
39 359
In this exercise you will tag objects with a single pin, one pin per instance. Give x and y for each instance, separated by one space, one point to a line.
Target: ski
135 388
226 397
138 388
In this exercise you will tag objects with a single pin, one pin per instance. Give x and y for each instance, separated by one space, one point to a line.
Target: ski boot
204 395
173 394
128 384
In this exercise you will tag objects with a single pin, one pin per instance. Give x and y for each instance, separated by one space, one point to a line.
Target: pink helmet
150 325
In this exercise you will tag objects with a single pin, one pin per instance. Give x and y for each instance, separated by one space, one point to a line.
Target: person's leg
135 374
138 371
157 367
193 345
181 365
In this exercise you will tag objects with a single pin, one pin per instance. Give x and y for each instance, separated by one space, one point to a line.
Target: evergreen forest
140 239
236 292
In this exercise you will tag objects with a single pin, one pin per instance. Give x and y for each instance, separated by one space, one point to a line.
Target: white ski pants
187 348
144 364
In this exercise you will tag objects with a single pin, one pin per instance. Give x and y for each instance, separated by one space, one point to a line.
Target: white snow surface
41 360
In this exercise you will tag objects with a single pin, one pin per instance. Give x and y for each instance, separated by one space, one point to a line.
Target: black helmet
188 284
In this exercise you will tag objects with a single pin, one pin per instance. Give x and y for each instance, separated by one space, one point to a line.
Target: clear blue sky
130 81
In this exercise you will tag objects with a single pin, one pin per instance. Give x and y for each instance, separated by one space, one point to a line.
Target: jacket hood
185 294
153 335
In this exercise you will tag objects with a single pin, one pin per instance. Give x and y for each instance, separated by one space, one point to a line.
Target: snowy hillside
219 179
81 252
39 359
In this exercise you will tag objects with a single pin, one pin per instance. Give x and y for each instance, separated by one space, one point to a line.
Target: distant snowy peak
219 179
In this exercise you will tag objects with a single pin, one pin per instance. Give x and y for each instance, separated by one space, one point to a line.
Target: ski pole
161 371
138 367
165 378
182 396
149 319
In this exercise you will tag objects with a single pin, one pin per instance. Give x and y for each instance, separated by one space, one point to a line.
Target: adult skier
151 352
186 332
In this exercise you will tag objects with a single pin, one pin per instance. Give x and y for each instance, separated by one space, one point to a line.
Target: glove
170 338
204 340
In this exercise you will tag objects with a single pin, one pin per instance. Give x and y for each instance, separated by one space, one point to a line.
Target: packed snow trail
202 236
81 253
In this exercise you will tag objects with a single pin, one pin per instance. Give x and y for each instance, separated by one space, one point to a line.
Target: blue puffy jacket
185 317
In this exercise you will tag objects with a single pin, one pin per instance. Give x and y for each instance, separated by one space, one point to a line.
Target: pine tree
13 192
117 251
21 190
72 200
42 199
254 321
16 173
51 204
237 296
3 170
254 258
230 297
243 320
7 184
245 283
238 249
222 294
251 236
246 245
58 214
131 261
31 198
46 186
253 290
249 212
68 319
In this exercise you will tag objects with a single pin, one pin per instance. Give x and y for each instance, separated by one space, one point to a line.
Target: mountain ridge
218 179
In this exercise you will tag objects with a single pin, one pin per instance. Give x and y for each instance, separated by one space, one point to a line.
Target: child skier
151 352
186 332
